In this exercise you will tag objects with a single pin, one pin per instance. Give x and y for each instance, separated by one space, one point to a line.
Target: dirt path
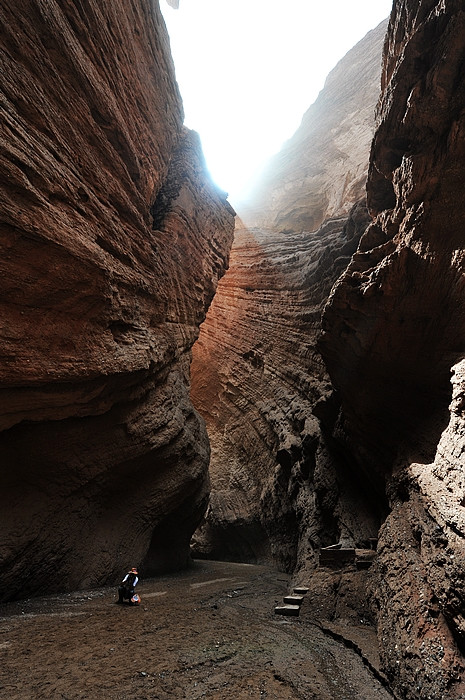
210 632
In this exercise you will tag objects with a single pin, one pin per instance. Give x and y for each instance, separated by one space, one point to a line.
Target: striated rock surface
394 330
112 241
278 490
296 465
321 171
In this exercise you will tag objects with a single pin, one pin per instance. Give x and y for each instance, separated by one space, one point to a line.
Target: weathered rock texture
394 329
279 489
389 443
112 242
321 171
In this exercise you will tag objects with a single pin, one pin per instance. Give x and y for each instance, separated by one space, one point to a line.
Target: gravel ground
209 632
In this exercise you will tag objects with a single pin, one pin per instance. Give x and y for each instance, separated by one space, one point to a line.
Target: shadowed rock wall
112 241
394 332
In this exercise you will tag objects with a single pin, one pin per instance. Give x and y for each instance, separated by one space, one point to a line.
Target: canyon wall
394 333
325 438
279 489
112 242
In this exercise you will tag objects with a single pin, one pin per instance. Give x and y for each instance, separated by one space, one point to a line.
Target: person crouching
126 589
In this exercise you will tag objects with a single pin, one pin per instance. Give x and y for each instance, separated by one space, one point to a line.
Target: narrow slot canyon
260 404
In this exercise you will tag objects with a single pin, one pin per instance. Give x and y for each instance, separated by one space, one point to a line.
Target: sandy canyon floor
209 632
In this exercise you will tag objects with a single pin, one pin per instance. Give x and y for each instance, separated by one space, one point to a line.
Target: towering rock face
112 242
394 331
388 445
279 490
321 171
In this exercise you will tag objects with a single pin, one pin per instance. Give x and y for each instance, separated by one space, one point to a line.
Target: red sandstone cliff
394 332
257 378
278 489
112 241
296 465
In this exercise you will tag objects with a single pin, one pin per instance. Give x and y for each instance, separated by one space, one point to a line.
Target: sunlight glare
249 69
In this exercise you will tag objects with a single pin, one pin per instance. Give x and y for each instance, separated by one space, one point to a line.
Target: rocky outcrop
113 239
257 378
321 171
418 587
394 329
279 490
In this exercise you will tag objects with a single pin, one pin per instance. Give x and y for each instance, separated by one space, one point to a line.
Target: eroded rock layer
394 331
388 445
279 489
321 171
112 241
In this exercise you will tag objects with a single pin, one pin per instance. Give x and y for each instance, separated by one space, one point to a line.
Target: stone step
287 610
364 558
301 590
293 599
363 564
337 557
365 554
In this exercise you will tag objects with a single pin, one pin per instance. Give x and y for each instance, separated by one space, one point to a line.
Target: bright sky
249 69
